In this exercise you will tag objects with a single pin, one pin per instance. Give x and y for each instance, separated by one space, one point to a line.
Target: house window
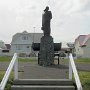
18 47
25 38
27 46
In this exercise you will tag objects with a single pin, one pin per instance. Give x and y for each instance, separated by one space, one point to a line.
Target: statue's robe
46 18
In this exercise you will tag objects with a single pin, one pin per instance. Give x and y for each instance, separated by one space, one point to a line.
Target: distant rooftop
82 39
35 37
65 44
25 32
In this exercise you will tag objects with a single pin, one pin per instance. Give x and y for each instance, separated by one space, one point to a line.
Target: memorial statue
46 18
46 54
46 46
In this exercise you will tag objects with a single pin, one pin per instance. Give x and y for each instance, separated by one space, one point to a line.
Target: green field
83 60
5 59
8 59
78 60
85 79
10 81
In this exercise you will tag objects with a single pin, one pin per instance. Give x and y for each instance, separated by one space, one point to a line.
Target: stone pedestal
46 54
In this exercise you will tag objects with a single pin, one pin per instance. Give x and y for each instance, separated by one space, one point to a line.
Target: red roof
82 39
86 39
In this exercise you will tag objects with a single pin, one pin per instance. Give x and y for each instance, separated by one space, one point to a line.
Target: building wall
4 53
2 45
78 50
21 39
17 48
83 51
0 52
86 49
21 43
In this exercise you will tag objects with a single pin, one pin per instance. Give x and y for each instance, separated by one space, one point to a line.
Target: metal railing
13 63
73 70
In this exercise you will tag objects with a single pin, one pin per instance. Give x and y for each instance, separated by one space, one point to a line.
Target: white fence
73 70
13 63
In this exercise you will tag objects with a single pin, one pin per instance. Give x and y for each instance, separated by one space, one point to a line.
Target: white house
4 51
2 45
22 42
82 46
0 51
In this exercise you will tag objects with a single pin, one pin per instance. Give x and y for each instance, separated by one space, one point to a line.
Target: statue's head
47 8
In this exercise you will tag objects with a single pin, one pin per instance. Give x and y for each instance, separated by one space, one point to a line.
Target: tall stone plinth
46 54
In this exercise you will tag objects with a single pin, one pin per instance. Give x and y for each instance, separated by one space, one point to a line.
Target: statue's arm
51 14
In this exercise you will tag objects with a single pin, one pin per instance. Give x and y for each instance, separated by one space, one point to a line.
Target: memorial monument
46 47
46 54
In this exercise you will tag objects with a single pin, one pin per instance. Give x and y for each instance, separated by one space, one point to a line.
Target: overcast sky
70 18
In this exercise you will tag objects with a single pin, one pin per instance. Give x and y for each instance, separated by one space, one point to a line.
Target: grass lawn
85 79
5 59
78 60
83 60
8 59
10 81
27 60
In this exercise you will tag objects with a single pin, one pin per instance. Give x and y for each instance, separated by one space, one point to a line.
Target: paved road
35 71
29 70
32 70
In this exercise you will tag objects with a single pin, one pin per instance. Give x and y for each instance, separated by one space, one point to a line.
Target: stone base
46 54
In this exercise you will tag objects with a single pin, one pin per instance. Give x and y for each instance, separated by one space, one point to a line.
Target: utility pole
33 39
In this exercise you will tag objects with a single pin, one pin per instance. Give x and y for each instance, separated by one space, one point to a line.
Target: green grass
10 81
85 79
27 60
78 60
83 60
8 59
5 59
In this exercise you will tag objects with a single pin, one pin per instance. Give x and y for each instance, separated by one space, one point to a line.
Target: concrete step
39 87
64 82
43 84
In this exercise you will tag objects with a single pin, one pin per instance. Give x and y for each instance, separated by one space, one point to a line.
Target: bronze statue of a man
46 18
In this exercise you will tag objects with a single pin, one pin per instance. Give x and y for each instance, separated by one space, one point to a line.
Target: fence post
16 68
70 70
0 86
